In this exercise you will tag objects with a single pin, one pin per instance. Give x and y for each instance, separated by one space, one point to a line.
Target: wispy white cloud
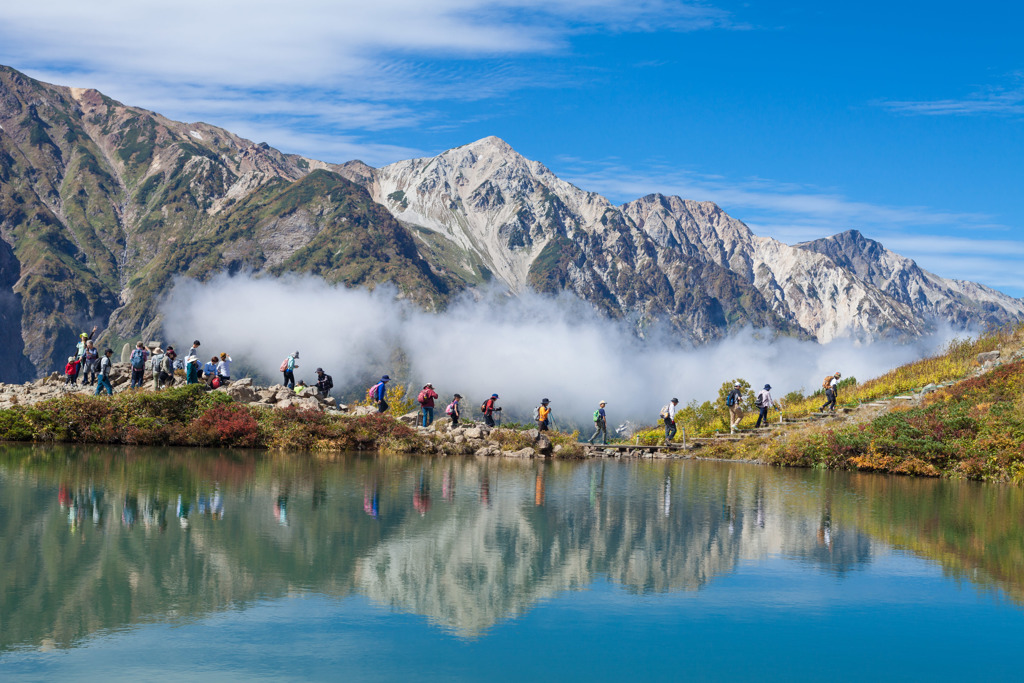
1002 100
316 67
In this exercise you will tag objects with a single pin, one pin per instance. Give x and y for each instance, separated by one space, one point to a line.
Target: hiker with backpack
378 394
106 371
668 414
324 382
138 362
426 400
91 361
600 424
288 366
831 387
488 410
764 402
734 402
542 415
453 410
155 363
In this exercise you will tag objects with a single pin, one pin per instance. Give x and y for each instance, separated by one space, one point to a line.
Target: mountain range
103 205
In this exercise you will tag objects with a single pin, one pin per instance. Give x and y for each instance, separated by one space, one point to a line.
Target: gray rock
474 433
410 418
988 357
523 453
543 445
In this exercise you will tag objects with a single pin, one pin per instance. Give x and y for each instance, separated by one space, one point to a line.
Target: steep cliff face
103 204
483 211
929 296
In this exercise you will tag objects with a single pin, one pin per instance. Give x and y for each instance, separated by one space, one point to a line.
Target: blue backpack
138 359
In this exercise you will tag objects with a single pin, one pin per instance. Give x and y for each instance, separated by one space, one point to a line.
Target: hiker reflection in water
281 509
421 496
182 512
538 488
485 491
130 511
448 485
371 499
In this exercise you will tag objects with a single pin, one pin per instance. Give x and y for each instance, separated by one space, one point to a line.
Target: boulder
267 396
988 357
543 445
521 453
474 433
242 393
329 400
410 418
244 382
361 410
532 433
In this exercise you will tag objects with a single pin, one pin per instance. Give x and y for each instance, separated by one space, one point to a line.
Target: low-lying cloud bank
524 348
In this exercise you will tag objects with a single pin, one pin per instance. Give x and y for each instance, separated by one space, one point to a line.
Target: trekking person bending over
426 401
92 363
764 402
668 414
543 415
452 410
488 410
103 379
288 368
734 402
378 394
600 424
71 371
167 368
831 385
324 383
138 363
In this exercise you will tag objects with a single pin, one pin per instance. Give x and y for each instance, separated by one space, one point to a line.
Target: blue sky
903 120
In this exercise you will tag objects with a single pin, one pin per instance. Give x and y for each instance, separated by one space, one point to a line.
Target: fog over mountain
104 207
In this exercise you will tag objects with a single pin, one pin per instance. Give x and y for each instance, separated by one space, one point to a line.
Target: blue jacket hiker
288 368
378 394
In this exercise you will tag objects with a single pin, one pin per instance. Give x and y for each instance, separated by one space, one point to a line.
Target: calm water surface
128 564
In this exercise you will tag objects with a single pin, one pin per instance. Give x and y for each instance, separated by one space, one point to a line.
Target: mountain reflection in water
100 539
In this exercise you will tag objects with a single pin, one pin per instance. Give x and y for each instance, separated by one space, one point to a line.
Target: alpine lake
176 564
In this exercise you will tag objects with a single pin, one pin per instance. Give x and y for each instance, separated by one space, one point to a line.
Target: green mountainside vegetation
102 205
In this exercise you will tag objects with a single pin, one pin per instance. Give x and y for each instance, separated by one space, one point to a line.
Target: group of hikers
97 369
763 401
217 372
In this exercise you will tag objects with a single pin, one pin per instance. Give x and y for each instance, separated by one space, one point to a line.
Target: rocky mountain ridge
103 205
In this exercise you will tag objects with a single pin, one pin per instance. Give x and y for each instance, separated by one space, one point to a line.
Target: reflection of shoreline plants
190 416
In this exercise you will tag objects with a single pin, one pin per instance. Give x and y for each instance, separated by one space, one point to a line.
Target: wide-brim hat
385 378
768 387
545 401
